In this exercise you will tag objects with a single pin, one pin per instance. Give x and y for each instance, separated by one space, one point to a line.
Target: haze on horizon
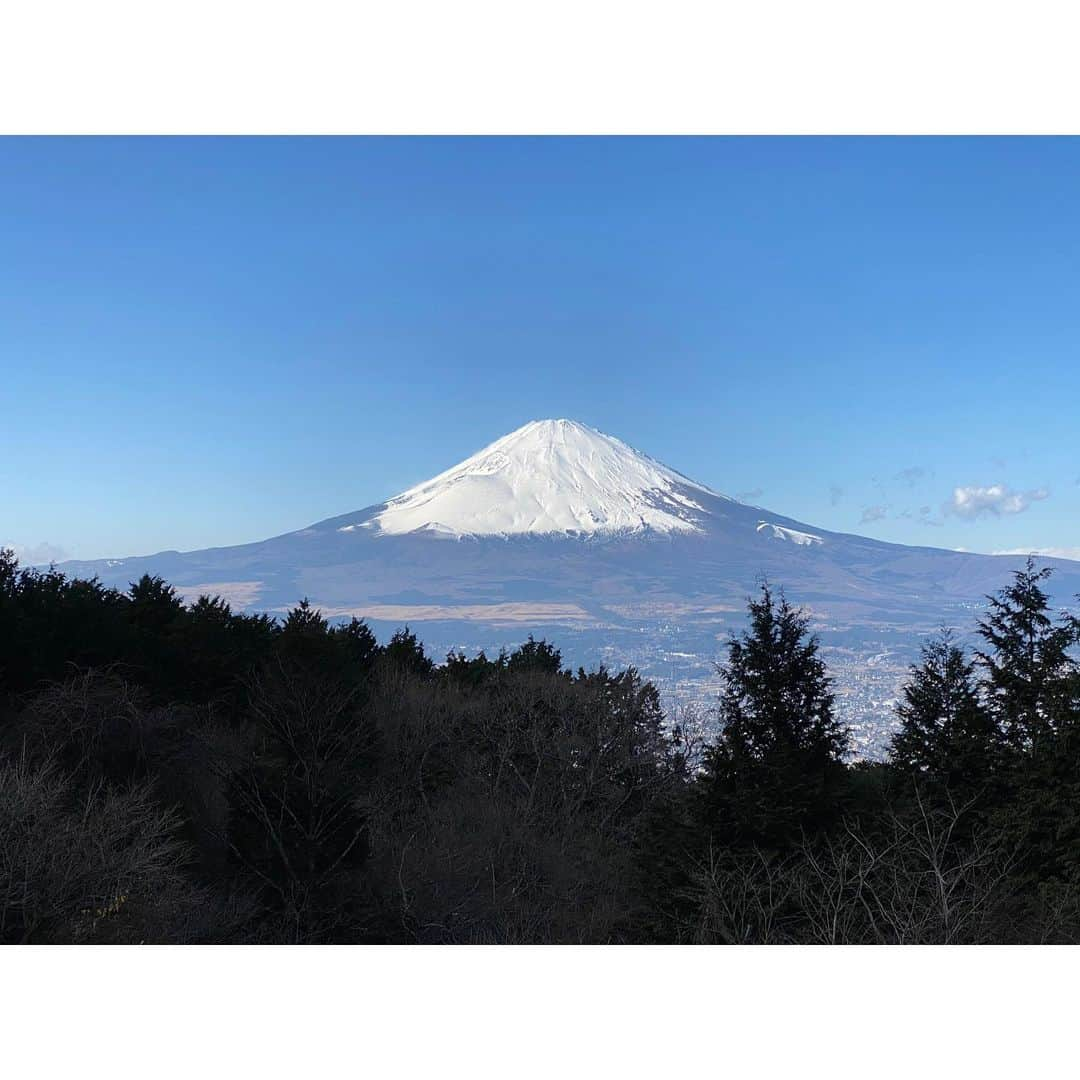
207 342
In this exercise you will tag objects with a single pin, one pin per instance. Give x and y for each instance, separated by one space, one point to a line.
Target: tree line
180 772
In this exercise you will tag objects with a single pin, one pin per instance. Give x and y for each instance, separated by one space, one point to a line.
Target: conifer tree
535 655
358 643
777 694
9 569
154 603
1029 676
945 732
776 767
1032 686
304 621
405 653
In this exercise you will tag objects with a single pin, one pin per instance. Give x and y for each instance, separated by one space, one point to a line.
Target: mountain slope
557 513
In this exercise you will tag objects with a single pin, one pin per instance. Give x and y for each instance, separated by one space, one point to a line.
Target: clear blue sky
205 342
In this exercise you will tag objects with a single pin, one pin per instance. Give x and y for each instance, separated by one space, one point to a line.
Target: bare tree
295 786
741 899
100 864
927 878
508 813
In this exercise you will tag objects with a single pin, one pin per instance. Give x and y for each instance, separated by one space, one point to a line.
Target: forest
177 772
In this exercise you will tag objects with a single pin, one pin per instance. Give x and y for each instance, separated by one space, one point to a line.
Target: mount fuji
561 530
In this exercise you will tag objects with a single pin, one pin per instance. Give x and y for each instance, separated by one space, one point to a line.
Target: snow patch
781 532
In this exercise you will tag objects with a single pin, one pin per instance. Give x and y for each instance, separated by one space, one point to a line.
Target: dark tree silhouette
182 772
777 765
1030 677
946 735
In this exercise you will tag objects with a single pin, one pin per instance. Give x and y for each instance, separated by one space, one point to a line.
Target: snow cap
550 476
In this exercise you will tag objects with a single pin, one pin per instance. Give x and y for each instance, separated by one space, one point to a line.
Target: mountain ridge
558 489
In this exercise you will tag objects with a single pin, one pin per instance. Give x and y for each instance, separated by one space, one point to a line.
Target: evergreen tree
304 621
945 734
48 622
9 569
776 769
535 656
154 603
777 694
158 618
463 673
221 649
1029 677
358 644
405 653
1032 688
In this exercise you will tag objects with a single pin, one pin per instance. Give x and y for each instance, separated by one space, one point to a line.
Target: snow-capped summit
550 476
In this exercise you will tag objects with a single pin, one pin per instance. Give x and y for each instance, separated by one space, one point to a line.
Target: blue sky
205 342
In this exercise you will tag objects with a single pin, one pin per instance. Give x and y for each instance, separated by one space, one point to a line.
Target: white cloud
973 502
38 554
873 513
1049 552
